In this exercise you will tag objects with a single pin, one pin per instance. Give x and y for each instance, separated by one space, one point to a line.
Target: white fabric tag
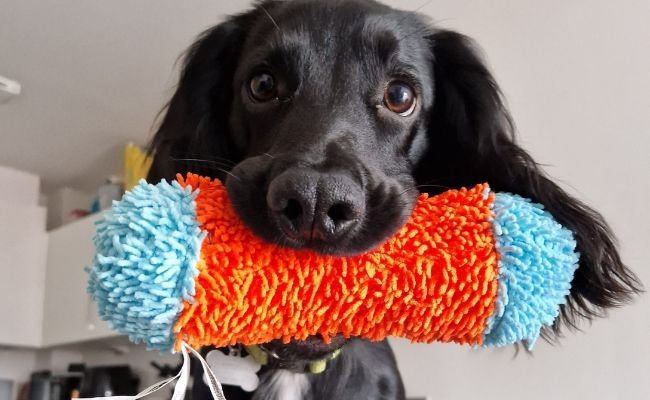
234 370
183 377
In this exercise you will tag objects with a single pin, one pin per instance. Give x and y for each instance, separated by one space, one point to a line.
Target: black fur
333 60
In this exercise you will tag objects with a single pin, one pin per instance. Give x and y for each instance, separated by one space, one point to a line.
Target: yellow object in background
136 165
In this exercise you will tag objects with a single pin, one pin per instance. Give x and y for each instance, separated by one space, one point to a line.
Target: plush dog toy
175 264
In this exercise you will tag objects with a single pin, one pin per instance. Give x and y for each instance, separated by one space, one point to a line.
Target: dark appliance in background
39 385
114 380
65 387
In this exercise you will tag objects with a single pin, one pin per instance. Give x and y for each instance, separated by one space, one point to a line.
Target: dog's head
327 118
326 115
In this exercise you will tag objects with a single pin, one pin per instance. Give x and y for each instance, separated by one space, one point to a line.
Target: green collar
314 367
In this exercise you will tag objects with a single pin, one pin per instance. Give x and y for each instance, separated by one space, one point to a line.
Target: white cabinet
42 277
23 249
69 314
18 187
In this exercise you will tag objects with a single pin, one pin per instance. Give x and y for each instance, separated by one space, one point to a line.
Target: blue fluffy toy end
147 247
536 266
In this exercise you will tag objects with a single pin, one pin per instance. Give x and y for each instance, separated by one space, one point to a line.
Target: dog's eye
262 87
399 97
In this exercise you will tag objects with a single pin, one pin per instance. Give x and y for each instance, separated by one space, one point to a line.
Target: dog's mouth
309 355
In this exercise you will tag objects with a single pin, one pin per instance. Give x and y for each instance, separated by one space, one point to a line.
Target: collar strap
270 360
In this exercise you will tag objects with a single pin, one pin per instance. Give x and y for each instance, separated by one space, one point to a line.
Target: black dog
326 119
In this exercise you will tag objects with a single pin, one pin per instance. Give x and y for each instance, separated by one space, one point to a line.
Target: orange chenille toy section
434 280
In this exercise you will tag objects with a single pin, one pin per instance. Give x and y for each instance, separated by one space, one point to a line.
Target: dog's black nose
311 205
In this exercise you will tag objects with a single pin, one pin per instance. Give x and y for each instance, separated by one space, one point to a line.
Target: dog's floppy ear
193 135
471 140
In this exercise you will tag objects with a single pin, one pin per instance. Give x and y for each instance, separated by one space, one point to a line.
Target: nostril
341 212
293 210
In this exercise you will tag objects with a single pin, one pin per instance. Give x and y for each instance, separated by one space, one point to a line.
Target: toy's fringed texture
435 280
468 267
536 266
147 248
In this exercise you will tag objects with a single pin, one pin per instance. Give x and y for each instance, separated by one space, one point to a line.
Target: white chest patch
284 385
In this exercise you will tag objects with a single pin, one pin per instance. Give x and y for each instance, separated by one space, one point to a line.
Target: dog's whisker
198 160
423 5
270 17
229 173
422 186
417 9
406 191
433 186
203 157
225 171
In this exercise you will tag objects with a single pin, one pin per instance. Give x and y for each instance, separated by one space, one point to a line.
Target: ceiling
94 75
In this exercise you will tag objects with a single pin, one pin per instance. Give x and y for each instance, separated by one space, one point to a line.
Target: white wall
16 365
577 78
